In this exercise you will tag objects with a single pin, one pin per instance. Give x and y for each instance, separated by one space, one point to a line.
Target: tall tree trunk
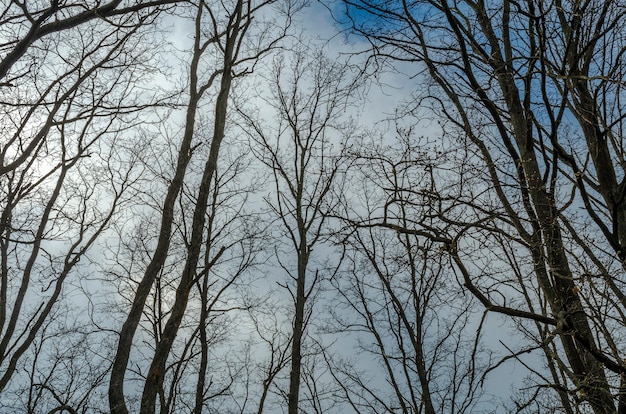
154 380
298 328
117 402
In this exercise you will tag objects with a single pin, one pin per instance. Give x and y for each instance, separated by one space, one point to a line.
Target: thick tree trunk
154 380
127 333
117 402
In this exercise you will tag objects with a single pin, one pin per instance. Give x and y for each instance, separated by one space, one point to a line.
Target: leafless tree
227 45
533 90
399 299
202 370
304 149
65 107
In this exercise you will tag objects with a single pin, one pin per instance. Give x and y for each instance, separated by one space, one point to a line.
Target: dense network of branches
201 212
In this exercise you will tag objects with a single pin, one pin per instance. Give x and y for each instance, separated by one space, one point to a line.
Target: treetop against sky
274 206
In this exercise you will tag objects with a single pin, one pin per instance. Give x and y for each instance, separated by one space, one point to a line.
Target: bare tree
200 372
532 90
21 58
224 31
271 341
65 108
304 151
399 299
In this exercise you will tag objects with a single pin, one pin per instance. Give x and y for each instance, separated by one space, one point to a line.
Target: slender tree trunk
204 346
117 402
154 380
298 329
